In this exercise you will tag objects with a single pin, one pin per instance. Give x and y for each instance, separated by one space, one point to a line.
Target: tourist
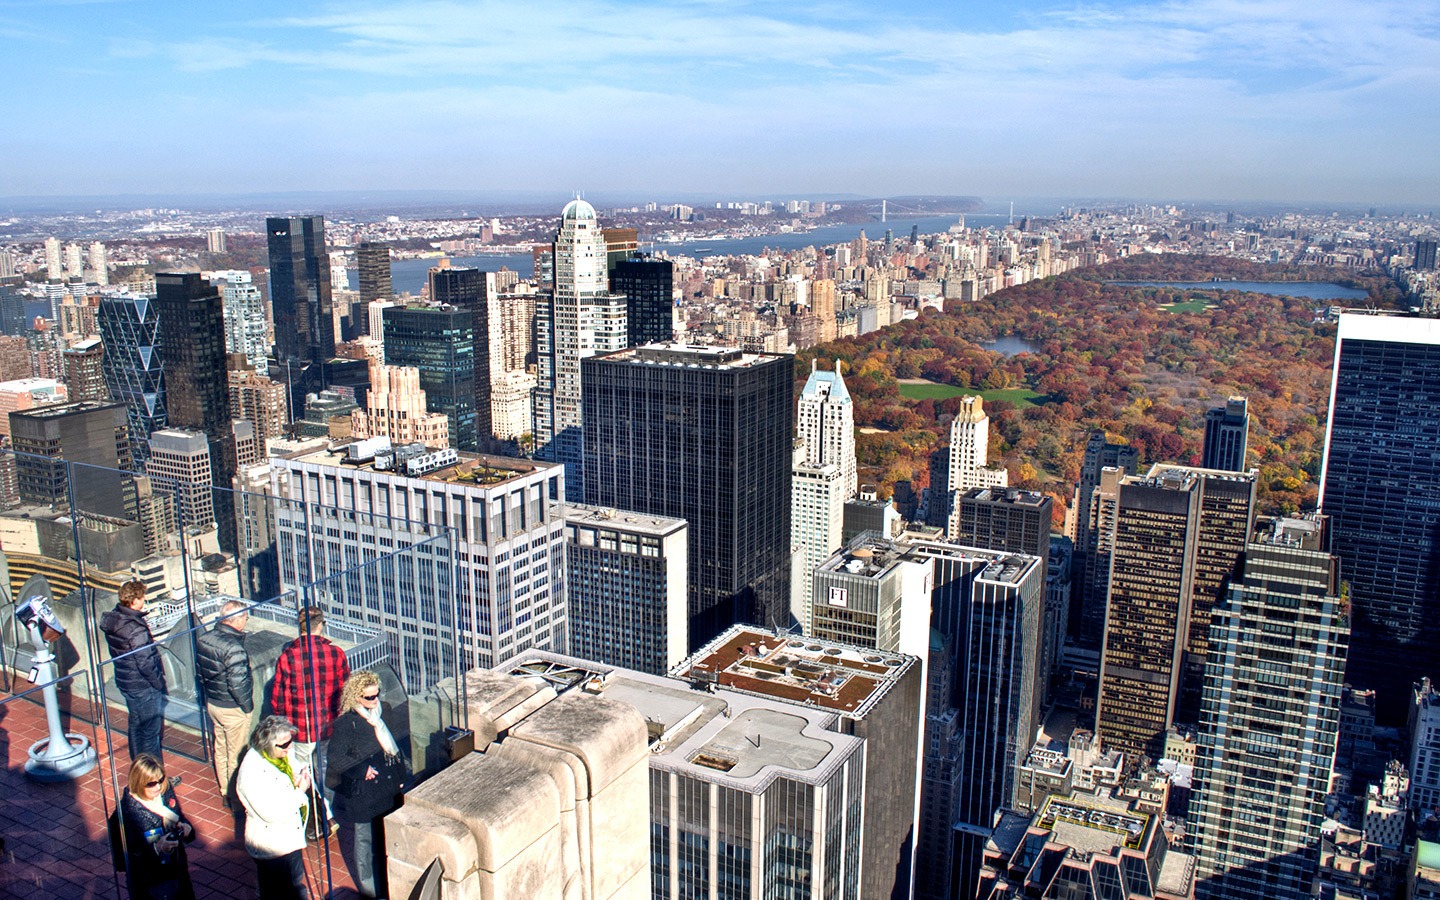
275 796
156 832
138 673
309 660
367 772
223 667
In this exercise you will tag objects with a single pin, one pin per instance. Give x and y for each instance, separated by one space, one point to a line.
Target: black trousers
283 877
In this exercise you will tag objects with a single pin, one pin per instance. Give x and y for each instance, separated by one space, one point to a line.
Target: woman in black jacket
156 832
367 770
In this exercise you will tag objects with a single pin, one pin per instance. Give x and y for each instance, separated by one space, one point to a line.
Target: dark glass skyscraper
1087 617
12 312
1380 487
470 290
648 284
702 434
192 333
440 342
373 261
300 302
1227 432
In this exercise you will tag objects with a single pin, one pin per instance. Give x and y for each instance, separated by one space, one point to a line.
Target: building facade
486 572
1270 718
1227 434
300 302
134 365
648 286
179 465
1380 487
439 342
627 577
704 435
822 479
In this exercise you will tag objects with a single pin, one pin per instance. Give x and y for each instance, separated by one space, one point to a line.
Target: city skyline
1191 100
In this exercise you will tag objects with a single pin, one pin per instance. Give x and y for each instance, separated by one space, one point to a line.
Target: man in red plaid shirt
310 660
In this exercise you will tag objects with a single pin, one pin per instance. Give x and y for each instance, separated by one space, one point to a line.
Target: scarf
283 764
382 731
157 806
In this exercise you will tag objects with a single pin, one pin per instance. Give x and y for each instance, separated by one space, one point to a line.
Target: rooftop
620 519
472 468
723 736
1089 828
675 353
828 675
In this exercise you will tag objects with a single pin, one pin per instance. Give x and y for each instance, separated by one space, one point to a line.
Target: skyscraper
440 343
179 466
970 451
627 577
1425 253
300 302
989 606
373 261
246 330
647 283
584 319
702 434
133 363
1088 616
1380 487
1015 521
1178 533
1227 431
473 291
395 409
13 320
822 479
501 569
54 266
85 370
1270 718
197 396
91 436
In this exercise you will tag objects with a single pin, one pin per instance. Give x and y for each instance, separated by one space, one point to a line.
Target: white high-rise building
1425 749
215 240
822 478
246 330
7 264
826 423
74 261
585 320
970 454
53 268
99 264
376 310
492 550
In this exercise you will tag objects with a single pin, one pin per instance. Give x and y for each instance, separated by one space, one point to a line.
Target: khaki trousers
232 731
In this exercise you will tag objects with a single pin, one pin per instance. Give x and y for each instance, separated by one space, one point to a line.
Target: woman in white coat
276 800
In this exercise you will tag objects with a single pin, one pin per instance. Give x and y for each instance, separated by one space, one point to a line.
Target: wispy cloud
1191 93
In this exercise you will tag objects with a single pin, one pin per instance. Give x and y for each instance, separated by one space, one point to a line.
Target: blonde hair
355 685
145 769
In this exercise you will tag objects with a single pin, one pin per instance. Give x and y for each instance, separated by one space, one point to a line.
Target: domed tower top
578 210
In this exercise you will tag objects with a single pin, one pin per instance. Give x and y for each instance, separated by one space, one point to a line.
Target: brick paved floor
56 844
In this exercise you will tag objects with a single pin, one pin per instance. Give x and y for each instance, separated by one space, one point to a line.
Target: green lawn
931 391
1021 397
1198 305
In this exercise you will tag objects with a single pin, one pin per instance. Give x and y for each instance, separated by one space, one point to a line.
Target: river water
411 274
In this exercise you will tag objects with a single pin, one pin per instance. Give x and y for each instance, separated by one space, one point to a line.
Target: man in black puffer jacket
223 666
138 673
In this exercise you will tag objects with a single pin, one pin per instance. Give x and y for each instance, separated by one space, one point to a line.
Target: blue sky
1211 99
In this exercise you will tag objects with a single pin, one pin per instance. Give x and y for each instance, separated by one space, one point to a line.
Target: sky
1284 100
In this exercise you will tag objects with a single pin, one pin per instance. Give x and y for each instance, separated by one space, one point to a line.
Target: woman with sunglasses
156 832
276 800
367 770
